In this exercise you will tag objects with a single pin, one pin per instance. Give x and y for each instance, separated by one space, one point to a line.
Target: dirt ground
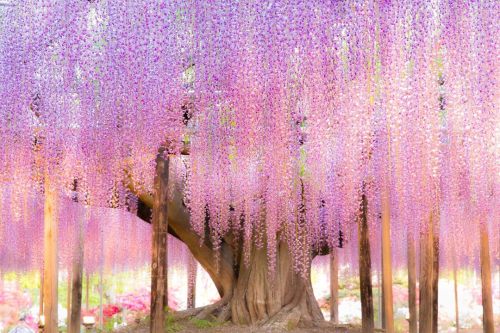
188 326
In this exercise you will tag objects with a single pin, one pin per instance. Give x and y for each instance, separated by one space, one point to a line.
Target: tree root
224 314
211 309
288 318
220 310
188 313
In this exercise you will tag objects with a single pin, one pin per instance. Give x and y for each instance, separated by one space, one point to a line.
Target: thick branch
221 272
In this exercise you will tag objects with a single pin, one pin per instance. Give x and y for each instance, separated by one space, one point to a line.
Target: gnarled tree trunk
254 296
249 294
282 298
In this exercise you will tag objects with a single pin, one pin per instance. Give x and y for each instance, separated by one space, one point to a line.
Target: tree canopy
291 110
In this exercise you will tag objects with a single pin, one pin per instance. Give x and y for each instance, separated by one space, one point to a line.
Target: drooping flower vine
290 110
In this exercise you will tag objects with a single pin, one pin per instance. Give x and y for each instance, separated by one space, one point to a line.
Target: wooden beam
412 284
334 286
426 278
488 324
388 312
50 260
159 281
192 273
365 281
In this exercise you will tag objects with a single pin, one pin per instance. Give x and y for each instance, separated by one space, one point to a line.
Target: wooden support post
388 315
50 261
334 286
87 293
380 316
488 325
365 278
192 273
426 278
435 277
40 306
412 284
101 279
455 287
76 281
159 294
165 273
68 298
101 310
381 293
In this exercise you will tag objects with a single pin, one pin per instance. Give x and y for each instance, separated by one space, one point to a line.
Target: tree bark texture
283 298
192 273
250 294
388 315
367 319
412 284
435 279
488 324
50 276
76 281
426 278
334 287
159 300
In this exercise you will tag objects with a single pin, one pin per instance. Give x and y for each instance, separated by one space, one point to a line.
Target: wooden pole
76 282
334 286
435 277
412 284
455 287
380 317
101 310
488 325
165 273
426 278
50 261
87 293
40 306
68 298
159 295
388 315
101 281
365 282
192 272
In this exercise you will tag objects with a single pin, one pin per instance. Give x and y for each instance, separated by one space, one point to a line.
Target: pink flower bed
132 306
12 304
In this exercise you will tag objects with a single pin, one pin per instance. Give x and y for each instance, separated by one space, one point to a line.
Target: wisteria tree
283 126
